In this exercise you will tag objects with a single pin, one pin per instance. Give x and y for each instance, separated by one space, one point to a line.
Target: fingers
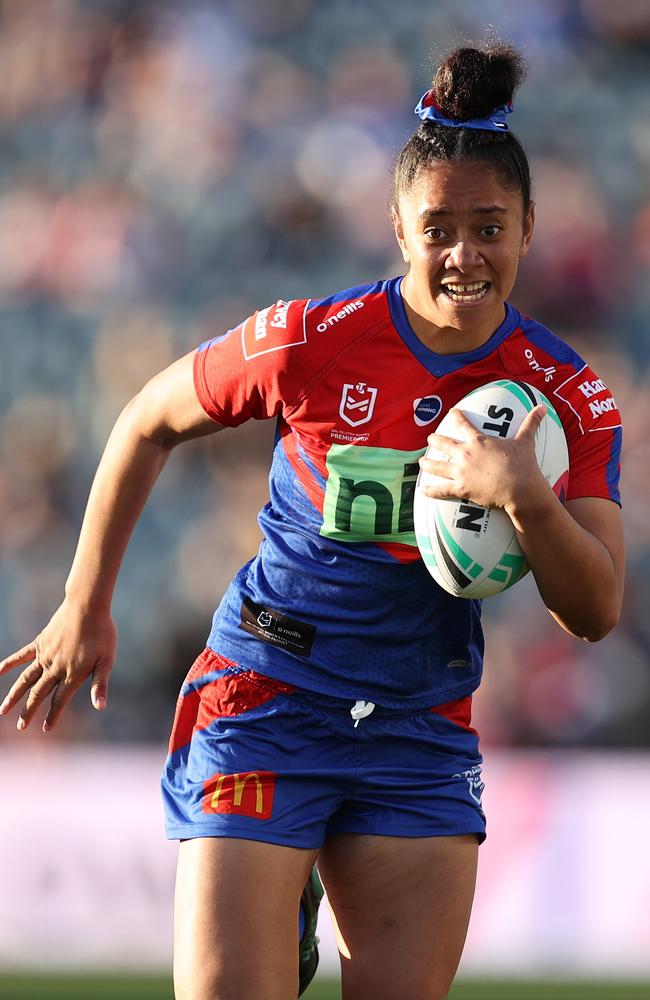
532 420
16 659
36 696
464 423
99 687
28 677
448 446
441 491
38 682
443 469
62 695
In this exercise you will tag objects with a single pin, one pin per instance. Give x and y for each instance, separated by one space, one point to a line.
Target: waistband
208 663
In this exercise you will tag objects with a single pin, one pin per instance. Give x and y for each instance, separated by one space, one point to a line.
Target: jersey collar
442 364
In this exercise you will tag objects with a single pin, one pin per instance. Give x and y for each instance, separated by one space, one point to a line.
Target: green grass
77 987
526 990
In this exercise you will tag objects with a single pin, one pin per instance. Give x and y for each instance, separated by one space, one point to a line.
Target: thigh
236 919
401 907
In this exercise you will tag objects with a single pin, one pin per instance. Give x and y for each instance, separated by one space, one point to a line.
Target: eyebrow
428 213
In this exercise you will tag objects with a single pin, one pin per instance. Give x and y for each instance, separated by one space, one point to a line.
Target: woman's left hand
489 471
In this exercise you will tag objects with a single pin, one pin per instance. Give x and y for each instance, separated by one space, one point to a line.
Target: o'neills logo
247 793
341 314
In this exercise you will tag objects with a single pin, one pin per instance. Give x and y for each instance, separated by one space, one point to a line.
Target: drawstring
360 710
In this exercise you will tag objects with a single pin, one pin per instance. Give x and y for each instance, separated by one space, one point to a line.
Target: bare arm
80 639
578 559
576 553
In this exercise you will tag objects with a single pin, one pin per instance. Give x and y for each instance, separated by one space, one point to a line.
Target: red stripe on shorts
459 711
228 695
206 662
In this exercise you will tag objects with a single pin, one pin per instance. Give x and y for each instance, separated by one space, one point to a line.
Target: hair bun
471 82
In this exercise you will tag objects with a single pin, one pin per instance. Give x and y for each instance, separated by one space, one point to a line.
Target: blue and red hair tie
429 110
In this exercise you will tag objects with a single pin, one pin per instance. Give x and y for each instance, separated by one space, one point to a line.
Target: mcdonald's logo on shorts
249 793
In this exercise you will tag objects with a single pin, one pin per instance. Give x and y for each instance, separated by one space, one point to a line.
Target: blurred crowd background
167 168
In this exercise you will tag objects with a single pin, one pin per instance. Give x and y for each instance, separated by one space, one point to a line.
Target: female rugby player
329 716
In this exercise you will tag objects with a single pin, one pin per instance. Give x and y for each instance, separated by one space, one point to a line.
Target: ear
399 232
529 225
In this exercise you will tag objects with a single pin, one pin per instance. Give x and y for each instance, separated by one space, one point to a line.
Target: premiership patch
357 403
276 628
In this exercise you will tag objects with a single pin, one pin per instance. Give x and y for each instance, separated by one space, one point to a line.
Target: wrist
88 602
534 503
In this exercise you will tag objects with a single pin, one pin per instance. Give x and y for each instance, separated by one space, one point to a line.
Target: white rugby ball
472 551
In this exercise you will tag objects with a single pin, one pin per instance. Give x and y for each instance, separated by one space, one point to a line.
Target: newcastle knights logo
357 403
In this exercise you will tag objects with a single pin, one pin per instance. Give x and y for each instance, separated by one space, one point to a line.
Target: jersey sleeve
594 436
255 369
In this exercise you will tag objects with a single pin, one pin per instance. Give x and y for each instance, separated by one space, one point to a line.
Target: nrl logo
357 403
264 619
474 782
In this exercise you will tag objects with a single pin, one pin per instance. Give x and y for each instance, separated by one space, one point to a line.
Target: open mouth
472 292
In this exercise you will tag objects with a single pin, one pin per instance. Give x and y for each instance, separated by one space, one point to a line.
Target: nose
463 256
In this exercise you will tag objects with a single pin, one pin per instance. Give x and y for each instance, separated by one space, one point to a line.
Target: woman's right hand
73 645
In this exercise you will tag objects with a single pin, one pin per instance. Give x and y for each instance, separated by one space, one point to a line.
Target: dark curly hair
470 83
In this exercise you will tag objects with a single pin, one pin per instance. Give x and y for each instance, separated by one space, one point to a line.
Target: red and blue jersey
338 600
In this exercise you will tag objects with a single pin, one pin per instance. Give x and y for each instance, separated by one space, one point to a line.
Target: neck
446 339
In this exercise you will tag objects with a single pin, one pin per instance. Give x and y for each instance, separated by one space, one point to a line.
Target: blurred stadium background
167 167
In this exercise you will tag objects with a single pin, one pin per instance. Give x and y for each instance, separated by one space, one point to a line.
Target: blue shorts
254 758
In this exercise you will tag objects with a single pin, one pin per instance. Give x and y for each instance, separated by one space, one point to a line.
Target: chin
466 317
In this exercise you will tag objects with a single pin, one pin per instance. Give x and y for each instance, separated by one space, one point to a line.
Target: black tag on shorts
277 629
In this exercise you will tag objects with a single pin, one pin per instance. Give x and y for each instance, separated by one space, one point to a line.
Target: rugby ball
472 551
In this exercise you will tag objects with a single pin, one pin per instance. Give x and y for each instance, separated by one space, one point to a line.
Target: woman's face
462 233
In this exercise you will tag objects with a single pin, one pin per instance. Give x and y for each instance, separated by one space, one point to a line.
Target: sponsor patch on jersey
590 400
369 494
426 409
276 628
357 403
245 793
331 318
274 328
549 372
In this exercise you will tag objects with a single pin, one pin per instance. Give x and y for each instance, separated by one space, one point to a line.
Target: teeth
475 287
466 293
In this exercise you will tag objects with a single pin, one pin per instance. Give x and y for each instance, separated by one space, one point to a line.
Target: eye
435 233
491 230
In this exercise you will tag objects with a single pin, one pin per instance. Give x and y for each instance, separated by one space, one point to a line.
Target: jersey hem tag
276 628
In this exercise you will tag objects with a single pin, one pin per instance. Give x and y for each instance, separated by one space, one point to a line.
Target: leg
236 919
401 906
